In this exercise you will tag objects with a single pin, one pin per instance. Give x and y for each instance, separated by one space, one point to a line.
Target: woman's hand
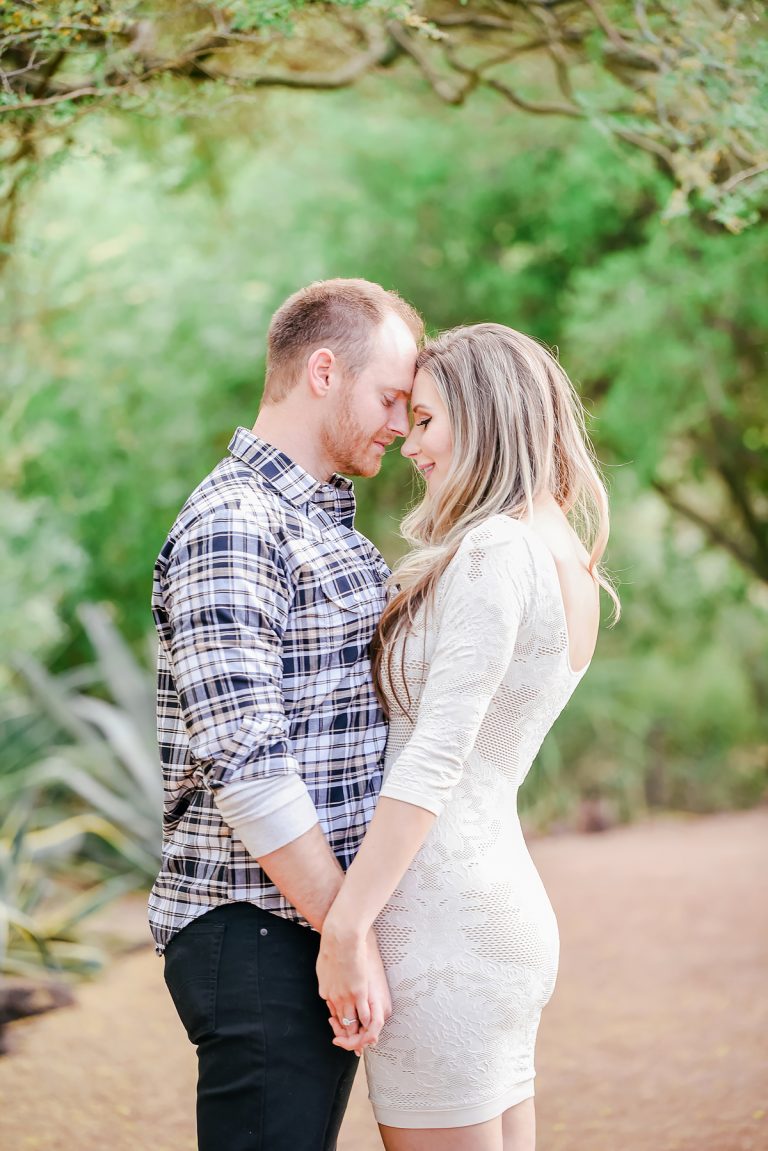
352 981
350 973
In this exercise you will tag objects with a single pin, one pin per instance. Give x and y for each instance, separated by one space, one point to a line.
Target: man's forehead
394 328
401 383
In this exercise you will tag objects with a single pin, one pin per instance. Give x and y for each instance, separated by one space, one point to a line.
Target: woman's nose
409 448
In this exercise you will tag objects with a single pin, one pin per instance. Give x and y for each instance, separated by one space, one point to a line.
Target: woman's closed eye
423 423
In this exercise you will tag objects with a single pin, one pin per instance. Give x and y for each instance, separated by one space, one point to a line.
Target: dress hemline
453 1116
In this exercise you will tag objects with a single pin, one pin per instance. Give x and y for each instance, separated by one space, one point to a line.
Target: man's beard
348 446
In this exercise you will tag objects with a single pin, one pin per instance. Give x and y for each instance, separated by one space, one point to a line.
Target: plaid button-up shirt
265 599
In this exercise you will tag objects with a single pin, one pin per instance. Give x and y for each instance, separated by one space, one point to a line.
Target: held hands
350 973
352 981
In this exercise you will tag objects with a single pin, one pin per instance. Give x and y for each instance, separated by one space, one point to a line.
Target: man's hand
353 982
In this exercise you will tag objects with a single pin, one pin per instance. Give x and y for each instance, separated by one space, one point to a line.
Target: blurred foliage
133 310
672 342
80 784
684 82
672 714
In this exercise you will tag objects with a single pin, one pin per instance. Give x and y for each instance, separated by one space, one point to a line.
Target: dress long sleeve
480 605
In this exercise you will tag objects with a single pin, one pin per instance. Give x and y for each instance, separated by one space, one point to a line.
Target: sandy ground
656 1039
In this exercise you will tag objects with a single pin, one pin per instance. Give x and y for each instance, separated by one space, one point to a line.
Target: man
265 599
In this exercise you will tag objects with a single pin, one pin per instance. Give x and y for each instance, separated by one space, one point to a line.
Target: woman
491 629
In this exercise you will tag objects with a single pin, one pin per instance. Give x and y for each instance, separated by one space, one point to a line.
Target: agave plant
39 928
82 786
104 751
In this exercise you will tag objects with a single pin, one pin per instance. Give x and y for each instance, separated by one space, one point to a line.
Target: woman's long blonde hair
518 431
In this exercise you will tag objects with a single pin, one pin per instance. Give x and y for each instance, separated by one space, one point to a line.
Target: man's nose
398 418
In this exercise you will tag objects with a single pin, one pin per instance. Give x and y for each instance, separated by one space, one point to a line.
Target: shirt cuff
266 814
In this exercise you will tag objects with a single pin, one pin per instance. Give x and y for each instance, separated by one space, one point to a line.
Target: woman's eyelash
423 423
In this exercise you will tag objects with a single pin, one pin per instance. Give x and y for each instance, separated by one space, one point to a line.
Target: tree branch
622 44
476 76
711 530
647 144
540 108
740 177
380 50
63 95
446 91
724 454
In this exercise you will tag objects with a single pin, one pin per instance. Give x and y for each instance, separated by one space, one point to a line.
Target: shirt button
264 931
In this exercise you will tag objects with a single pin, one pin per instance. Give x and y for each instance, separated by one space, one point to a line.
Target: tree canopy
686 82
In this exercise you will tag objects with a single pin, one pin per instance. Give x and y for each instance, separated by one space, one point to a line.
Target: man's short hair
338 314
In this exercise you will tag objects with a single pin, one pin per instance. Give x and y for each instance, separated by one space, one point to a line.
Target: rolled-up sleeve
226 596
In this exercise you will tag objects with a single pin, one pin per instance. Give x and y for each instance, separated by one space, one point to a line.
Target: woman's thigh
515 1130
475 1137
518 1125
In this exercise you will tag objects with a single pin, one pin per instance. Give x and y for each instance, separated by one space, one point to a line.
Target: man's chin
365 466
368 470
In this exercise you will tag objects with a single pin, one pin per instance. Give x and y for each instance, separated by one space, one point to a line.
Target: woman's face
430 442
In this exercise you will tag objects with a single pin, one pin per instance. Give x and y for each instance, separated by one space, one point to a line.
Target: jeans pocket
191 976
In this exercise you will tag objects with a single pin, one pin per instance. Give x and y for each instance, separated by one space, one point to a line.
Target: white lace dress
469 938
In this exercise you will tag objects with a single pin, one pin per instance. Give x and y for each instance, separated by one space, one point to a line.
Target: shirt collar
294 483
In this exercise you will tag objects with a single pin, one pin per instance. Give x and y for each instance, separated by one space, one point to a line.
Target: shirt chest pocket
339 600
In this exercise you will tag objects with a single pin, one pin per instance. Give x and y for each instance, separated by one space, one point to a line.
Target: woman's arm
348 976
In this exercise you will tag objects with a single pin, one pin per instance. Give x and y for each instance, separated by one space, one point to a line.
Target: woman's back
579 591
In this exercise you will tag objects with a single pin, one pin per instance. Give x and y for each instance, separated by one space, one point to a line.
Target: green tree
671 343
685 82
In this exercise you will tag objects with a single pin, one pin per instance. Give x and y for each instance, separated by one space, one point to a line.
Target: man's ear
319 371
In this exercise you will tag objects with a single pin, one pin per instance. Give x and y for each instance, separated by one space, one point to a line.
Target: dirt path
656 1039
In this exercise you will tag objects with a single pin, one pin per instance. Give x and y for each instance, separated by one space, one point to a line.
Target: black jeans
243 982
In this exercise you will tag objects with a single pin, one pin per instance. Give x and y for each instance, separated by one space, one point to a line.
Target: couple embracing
343 865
